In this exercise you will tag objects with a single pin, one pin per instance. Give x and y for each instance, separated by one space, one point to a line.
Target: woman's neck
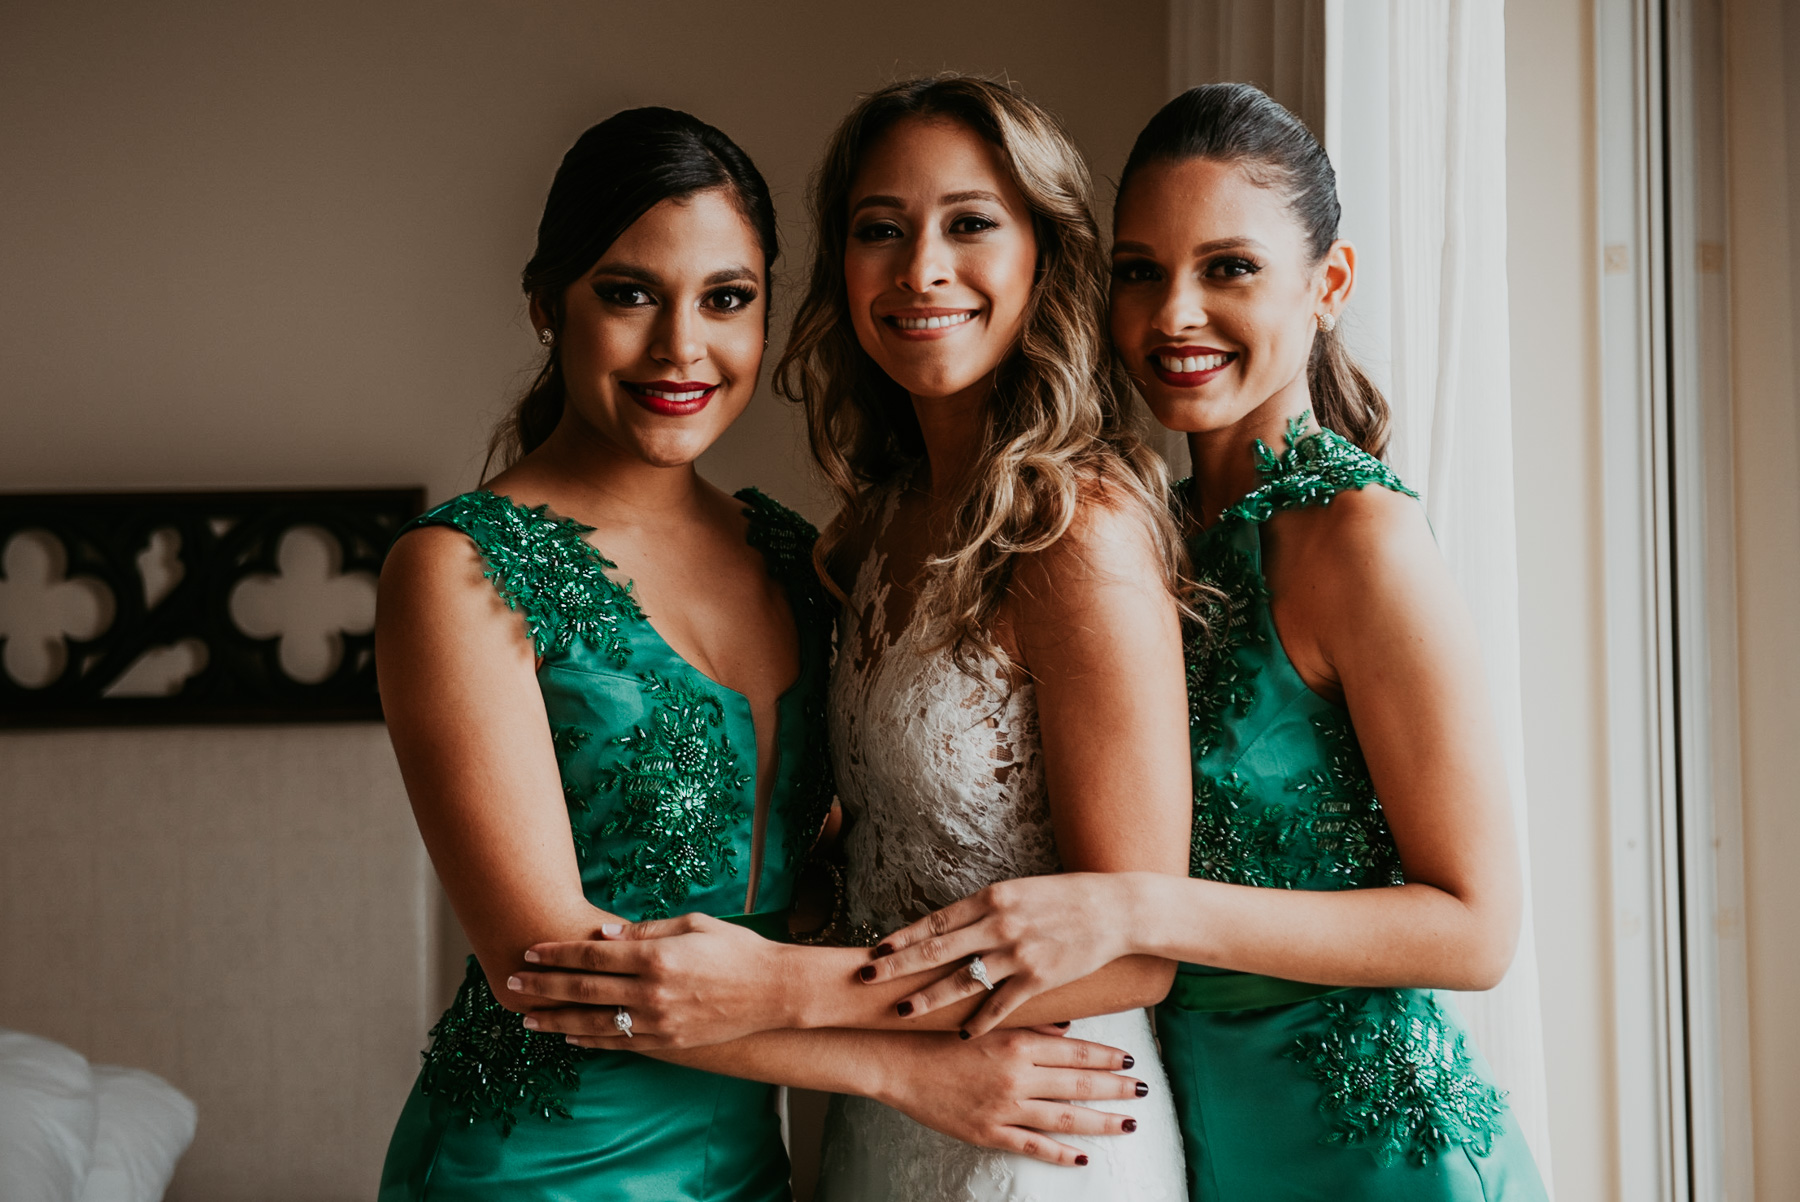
1224 468
605 484
951 429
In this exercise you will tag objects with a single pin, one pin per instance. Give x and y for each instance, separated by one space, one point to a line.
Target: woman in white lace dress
1007 699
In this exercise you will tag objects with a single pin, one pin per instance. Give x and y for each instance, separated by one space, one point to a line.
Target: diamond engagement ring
978 970
622 1020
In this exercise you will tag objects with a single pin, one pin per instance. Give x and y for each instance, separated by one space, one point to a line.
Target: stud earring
1327 322
547 336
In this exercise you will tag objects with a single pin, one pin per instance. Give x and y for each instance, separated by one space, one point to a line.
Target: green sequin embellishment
1219 684
486 1065
786 541
1315 468
567 740
1397 1078
678 806
1352 847
1236 840
543 568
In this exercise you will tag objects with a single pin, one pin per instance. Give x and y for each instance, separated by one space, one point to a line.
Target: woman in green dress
1352 847
605 684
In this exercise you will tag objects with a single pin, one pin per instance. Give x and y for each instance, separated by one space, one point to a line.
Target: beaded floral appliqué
487 1066
1396 1077
544 569
567 740
679 807
786 541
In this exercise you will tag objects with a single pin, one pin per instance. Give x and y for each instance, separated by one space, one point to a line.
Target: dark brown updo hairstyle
615 173
1237 123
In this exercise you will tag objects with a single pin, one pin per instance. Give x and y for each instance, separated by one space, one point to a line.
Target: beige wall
1763 112
1551 259
278 244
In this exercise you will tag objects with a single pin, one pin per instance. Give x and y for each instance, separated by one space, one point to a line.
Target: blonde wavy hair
1054 427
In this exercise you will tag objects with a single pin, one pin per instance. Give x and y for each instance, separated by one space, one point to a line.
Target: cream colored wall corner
278 245
1551 260
1763 117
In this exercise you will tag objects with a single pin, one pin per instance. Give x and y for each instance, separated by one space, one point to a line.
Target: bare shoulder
434 579
1363 538
1112 531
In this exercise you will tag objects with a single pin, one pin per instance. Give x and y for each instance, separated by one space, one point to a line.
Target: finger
1047 1029
954 987
590 955
1078 1053
656 928
1007 997
907 954
580 1020
582 988
1085 1085
1038 1146
642 1043
1060 1118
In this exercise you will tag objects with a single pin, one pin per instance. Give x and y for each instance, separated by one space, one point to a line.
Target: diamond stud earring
1327 322
547 336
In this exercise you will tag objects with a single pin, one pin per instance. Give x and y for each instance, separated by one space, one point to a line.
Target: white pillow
47 1119
145 1124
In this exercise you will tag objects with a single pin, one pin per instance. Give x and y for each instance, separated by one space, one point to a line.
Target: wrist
1147 909
792 1000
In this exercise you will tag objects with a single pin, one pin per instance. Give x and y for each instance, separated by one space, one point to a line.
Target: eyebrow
630 271
1205 248
949 198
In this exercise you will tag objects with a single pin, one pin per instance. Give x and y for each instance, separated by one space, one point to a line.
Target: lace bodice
939 771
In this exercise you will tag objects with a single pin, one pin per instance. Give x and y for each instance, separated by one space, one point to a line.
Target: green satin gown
1285 1090
659 773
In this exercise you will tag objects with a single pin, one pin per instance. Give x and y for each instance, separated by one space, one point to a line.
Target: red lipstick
1189 379
671 398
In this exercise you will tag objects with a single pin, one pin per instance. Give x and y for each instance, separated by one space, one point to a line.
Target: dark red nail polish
1081 1160
1129 1060
1129 1125
963 1034
1143 1091
904 1009
866 972
882 949
1064 1026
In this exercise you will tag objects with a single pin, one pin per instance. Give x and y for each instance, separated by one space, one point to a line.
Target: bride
1007 698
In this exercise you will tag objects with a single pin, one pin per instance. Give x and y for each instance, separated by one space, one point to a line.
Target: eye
1232 267
877 231
972 223
730 300
1135 271
626 296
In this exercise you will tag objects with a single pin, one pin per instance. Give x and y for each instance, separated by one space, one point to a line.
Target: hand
1032 934
686 982
1010 1091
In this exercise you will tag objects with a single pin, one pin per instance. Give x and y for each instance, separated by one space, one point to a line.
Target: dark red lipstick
671 398
1200 374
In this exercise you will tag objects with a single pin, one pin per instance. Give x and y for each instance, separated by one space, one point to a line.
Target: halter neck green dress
1287 1090
659 773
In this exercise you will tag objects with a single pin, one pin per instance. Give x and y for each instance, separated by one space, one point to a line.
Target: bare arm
459 690
1375 617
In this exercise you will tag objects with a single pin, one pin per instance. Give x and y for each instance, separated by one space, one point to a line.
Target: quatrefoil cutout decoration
310 603
42 607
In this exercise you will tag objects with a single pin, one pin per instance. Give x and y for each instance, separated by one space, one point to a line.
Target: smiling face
941 257
661 341
1216 294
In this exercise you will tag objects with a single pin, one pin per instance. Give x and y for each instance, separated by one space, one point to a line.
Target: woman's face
1215 294
662 339
941 257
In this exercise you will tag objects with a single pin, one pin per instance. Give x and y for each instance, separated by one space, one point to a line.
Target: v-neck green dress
659 772
1285 1090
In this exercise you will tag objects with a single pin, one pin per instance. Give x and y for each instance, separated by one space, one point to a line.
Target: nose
1182 308
678 340
926 264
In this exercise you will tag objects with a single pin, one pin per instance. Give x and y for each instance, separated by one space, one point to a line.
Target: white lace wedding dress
941 777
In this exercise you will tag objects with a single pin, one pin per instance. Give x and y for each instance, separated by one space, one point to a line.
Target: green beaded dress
1287 1090
659 769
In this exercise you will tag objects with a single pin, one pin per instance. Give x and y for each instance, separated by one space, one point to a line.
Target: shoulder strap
543 568
786 541
1314 469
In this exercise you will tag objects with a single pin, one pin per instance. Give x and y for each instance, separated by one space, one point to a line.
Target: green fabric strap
773 927
1209 993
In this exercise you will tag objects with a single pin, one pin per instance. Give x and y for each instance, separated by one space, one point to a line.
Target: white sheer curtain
1415 106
